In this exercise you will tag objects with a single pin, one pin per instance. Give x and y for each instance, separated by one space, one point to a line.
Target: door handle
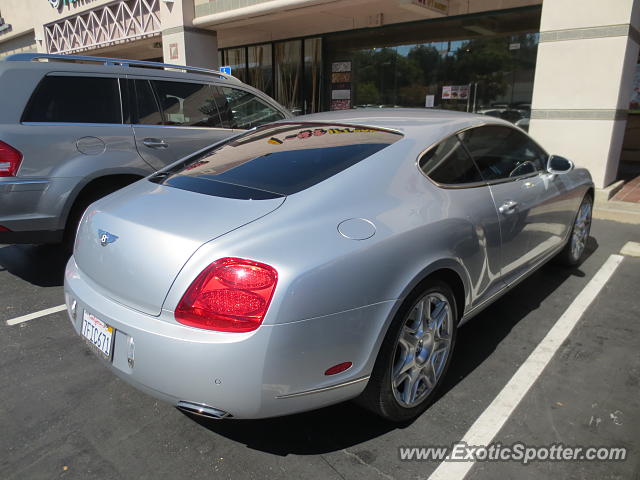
155 143
507 207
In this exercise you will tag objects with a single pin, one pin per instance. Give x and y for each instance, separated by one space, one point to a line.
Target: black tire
378 396
568 256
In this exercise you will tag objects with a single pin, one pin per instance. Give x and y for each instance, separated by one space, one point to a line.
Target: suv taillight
10 159
230 295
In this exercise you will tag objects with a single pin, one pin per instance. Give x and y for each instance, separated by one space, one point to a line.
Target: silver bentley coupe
312 261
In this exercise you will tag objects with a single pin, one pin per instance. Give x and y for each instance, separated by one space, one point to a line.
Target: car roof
428 124
119 66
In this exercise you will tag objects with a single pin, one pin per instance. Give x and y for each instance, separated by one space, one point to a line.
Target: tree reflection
404 75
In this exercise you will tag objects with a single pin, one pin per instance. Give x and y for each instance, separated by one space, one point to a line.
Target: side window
187 104
449 164
247 110
503 152
66 99
147 109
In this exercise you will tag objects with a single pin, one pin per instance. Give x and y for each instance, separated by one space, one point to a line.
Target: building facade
564 69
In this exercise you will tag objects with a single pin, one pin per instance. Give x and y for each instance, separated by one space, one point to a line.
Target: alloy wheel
422 349
581 230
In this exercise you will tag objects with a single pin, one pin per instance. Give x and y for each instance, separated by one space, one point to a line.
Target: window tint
75 100
187 104
449 164
148 112
245 110
282 159
503 152
126 93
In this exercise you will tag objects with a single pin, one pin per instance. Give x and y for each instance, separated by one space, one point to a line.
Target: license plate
97 333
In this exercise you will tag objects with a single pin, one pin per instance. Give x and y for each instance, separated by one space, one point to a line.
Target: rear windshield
279 159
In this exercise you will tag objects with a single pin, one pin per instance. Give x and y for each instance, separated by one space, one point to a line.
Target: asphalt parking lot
63 415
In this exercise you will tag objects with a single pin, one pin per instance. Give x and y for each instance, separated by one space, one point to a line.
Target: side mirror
558 164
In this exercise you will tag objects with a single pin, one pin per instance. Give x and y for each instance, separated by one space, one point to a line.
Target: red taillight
230 295
10 159
339 368
4 229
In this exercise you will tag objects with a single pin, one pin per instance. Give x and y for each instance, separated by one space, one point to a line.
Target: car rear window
281 159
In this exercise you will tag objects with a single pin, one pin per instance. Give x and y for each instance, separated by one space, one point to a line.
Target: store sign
60 3
455 92
440 6
174 54
341 85
430 101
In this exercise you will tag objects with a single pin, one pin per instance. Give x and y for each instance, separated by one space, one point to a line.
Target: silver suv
74 129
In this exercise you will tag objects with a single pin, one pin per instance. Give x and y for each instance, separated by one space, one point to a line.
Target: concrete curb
607 193
623 212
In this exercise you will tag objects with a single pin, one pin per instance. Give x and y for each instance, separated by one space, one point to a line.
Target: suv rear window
67 99
280 159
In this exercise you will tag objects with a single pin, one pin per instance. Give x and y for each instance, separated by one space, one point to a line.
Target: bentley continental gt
312 261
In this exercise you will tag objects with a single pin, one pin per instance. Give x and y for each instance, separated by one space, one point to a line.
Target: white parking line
494 417
31 316
631 249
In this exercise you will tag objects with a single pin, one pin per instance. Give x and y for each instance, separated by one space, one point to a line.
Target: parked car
319 260
73 129
510 114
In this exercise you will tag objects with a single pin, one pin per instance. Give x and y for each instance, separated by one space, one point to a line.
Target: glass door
288 65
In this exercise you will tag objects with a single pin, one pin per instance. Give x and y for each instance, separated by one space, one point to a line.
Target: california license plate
97 333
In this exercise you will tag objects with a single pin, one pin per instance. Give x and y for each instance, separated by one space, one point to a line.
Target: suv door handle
155 143
507 207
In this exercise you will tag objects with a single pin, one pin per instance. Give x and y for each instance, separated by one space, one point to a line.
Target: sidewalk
618 211
630 192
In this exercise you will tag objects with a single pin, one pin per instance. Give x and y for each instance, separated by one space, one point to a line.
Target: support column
587 57
190 46
183 44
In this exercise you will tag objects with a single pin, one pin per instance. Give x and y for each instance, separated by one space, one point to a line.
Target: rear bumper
275 370
31 208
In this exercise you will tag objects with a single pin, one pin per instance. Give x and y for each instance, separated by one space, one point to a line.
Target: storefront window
260 68
448 65
456 63
493 72
236 58
312 74
288 65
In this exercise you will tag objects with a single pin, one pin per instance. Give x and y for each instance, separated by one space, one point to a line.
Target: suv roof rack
36 57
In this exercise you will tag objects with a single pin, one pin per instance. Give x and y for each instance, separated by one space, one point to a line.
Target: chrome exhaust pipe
202 410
